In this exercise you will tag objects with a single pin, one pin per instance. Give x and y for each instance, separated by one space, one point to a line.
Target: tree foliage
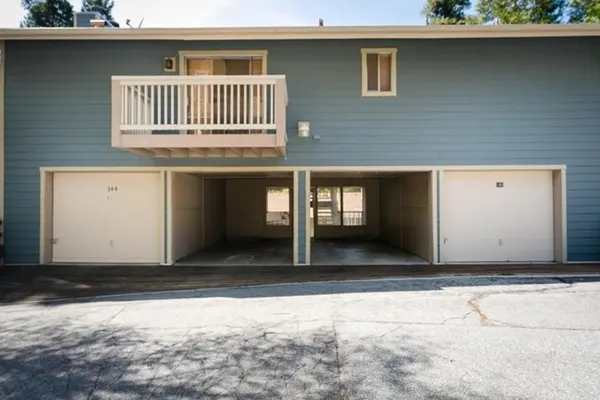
455 12
547 11
521 11
47 13
584 11
105 4
447 12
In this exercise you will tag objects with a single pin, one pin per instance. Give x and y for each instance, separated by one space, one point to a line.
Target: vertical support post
46 217
440 216
301 219
308 236
2 95
434 227
115 125
559 178
167 220
295 216
280 112
563 217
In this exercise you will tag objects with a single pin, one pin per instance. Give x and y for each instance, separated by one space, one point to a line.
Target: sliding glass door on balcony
234 107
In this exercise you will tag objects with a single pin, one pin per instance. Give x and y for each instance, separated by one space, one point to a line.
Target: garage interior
372 218
231 219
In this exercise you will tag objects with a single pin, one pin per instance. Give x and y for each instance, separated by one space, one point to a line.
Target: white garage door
497 216
107 217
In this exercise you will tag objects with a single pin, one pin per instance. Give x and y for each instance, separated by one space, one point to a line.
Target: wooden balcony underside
228 146
233 152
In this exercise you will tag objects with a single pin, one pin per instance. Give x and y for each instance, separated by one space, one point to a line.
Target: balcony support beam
115 113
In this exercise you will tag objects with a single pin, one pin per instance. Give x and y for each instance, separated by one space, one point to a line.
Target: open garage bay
231 219
371 218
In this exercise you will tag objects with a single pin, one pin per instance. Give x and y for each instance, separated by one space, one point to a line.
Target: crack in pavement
565 286
111 319
95 385
175 365
392 331
483 319
458 318
503 324
336 346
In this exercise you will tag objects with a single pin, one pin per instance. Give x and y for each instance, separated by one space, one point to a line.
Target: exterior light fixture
169 64
303 129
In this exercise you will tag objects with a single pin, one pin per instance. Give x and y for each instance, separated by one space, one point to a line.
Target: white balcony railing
249 109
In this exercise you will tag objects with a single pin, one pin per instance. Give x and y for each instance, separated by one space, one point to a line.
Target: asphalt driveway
436 338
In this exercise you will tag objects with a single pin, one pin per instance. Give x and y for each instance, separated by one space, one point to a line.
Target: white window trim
368 93
187 54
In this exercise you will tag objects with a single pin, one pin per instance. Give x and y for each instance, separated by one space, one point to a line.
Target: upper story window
379 72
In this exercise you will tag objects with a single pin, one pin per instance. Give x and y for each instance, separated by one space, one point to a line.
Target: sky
246 13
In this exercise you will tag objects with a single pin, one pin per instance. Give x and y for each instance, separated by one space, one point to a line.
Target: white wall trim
393 71
307 32
2 97
440 217
503 168
563 181
43 203
316 169
308 186
166 180
434 217
295 219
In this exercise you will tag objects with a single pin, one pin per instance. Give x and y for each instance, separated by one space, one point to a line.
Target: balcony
200 116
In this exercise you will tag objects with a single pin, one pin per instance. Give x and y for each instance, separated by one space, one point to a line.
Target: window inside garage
278 206
341 206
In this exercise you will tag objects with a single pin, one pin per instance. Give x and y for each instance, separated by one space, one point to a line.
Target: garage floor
254 252
360 252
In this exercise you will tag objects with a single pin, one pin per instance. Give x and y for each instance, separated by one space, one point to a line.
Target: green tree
521 11
584 11
447 12
547 11
47 13
105 4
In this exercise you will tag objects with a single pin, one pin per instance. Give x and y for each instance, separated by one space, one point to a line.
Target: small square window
378 72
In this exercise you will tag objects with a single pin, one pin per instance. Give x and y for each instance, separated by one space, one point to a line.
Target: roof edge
305 32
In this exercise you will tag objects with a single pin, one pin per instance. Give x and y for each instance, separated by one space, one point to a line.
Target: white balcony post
116 113
280 111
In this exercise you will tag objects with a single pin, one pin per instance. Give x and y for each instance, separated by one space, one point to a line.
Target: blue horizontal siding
460 102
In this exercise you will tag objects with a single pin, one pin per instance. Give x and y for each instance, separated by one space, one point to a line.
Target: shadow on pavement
70 362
